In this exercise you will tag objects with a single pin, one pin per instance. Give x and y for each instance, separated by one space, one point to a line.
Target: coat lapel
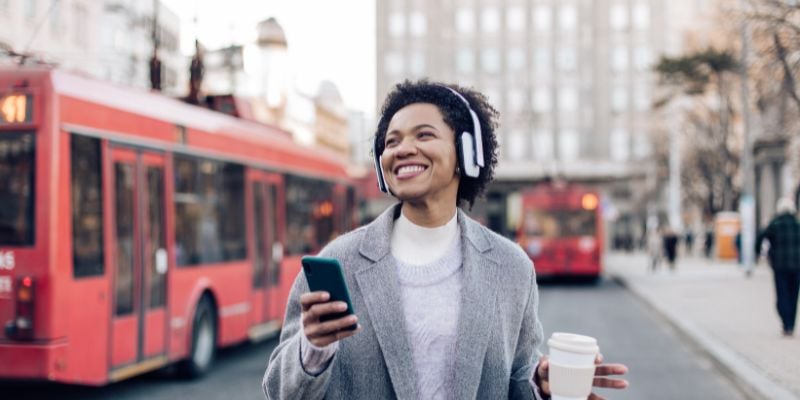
380 288
478 298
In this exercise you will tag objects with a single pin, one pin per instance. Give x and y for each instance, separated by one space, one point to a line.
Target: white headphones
469 148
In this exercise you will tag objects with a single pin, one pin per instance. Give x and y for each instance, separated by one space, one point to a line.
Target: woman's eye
390 142
424 134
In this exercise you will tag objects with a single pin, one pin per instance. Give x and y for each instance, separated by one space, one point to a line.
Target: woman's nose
406 147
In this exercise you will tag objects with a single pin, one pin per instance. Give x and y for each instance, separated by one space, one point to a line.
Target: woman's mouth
409 171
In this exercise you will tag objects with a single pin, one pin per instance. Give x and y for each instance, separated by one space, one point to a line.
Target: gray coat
498 332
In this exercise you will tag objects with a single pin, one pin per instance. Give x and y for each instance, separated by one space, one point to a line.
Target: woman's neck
424 215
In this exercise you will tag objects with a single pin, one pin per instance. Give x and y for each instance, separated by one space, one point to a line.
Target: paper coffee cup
571 365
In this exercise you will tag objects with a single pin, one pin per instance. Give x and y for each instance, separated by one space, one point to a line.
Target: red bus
561 229
137 231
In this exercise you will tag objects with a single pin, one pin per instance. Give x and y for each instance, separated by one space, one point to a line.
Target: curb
753 383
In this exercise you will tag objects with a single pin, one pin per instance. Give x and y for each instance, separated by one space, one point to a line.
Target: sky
328 39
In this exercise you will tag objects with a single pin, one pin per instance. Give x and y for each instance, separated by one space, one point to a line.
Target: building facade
109 39
572 79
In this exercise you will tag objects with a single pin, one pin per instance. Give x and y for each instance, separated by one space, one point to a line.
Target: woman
445 307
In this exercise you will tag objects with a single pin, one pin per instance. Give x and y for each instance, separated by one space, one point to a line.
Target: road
662 365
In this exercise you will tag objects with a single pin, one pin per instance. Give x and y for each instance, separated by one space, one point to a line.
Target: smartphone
325 274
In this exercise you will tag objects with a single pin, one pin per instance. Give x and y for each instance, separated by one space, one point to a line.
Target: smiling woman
446 308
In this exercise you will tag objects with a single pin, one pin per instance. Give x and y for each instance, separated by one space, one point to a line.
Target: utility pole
746 201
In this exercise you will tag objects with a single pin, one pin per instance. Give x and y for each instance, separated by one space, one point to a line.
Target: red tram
561 230
137 231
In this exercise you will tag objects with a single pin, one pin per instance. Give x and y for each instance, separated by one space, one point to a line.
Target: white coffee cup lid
573 343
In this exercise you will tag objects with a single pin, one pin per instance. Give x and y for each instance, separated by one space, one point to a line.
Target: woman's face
419 159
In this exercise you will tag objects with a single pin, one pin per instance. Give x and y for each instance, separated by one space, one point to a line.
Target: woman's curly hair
456 116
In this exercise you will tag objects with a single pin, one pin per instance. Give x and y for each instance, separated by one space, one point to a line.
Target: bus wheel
204 335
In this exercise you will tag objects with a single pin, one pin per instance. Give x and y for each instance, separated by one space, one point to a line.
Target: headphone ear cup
466 157
379 168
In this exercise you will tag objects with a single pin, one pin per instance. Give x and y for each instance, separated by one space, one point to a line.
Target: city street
662 365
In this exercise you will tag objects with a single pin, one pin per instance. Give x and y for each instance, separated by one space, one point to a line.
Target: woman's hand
600 376
320 334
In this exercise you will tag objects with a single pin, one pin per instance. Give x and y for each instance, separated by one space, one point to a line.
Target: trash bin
726 226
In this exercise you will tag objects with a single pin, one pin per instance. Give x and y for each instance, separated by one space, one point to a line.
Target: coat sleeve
285 377
527 354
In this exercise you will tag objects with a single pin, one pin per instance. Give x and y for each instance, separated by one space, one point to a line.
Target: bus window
577 223
209 211
87 206
155 191
17 166
309 214
123 178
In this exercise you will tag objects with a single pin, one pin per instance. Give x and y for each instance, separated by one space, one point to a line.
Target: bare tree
711 157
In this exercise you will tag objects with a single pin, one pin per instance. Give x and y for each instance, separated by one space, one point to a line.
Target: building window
620 144
418 24
618 17
542 18
490 60
516 145
619 99
543 144
465 60
515 19
567 59
619 59
641 58
80 17
417 63
490 20
541 60
393 63
30 9
568 17
568 99
516 100
87 206
465 20
641 16
641 97
541 99
641 145
397 24
55 17
568 144
209 211
515 59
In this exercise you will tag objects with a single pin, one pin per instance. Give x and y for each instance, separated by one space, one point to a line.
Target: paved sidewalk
730 316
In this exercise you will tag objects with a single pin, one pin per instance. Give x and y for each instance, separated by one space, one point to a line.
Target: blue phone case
325 274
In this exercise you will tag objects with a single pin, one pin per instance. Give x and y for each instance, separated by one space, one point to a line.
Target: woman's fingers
333 337
309 299
611 383
329 327
610 369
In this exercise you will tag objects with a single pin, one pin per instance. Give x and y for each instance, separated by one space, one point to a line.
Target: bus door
139 317
266 194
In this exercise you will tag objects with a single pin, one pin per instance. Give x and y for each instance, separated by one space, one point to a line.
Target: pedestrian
654 246
783 234
445 307
689 242
670 247
708 244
